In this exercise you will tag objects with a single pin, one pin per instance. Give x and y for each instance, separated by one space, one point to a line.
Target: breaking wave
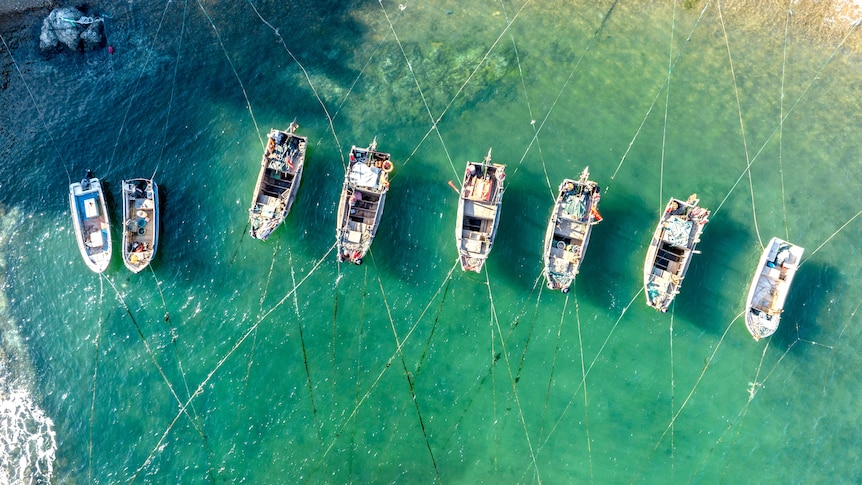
28 443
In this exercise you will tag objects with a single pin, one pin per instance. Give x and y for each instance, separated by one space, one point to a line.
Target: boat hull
140 223
770 287
569 227
363 197
277 182
670 251
478 215
91 223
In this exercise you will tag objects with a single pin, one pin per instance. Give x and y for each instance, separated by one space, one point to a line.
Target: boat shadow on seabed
804 316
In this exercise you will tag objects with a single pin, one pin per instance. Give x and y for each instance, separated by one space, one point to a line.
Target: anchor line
527 99
436 122
358 361
235 73
529 333
589 369
814 79
741 125
95 380
553 364
317 425
307 79
495 322
151 353
38 111
137 84
410 380
565 84
200 389
666 107
421 95
584 380
688 397
173 90
373 385
781 124
658 93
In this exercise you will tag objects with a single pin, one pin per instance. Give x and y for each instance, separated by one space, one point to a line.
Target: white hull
140 223
568 234
479 212
363 197
91 224
671 249
277 182
770 286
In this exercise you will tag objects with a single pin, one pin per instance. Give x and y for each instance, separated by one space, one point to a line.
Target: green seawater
233 360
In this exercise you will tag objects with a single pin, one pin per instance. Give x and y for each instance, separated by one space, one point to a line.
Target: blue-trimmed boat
90 221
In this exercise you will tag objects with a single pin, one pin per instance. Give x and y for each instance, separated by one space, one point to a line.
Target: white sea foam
28 443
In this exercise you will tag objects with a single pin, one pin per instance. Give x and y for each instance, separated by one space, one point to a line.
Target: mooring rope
781 124
553 364
307 79
317 425
399 346
685 402
436 122
741 124
173 91
199 390
38 111
814 79
421 94
373 385
95 380
565 84
527 100
666 108
137 84
496 324
236 74
657 94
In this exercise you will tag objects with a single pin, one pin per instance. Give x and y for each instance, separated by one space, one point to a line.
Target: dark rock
69 27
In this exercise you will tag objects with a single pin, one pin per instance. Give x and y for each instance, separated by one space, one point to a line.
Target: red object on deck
111 49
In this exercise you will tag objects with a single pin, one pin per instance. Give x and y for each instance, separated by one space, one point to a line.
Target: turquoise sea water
240 361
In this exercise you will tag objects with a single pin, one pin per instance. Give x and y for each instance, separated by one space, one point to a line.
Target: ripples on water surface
235 360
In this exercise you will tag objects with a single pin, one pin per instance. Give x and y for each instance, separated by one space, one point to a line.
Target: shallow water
235 360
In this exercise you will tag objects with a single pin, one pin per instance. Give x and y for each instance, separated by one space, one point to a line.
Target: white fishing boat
140 223
770 286
278 181
363 196
671 249
90 221
574 215
479 212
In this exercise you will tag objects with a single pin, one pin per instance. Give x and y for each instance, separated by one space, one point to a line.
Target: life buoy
387 166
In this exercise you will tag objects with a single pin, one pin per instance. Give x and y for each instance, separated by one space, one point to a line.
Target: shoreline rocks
69 27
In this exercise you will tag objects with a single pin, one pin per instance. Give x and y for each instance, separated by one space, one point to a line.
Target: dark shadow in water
417 230
607 276
517 252
702 301
809 295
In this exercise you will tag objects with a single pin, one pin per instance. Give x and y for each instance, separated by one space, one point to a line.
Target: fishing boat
671 249
574 215
90 221
479 212
363 196
769 287
140 223
280 173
